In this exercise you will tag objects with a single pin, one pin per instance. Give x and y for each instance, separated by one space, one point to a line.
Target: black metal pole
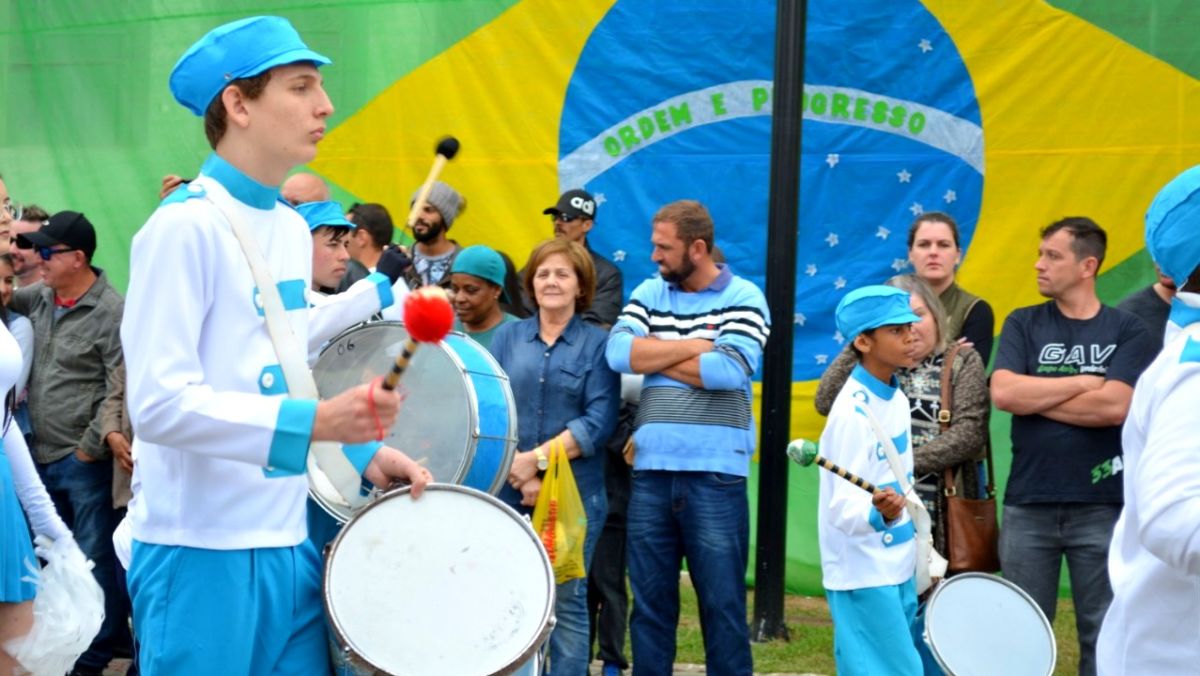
782 230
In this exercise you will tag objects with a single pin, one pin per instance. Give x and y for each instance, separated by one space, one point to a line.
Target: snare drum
454 582
460 421
977 623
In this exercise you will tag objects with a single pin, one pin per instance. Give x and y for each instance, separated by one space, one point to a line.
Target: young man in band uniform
223 579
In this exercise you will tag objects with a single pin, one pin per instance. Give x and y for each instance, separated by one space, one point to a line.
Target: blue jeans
1033 541
705 517
82 494
570 644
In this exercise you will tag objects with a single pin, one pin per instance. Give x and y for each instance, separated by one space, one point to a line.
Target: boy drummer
868 555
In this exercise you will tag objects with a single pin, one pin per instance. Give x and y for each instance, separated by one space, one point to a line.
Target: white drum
460 423
978 625
454 582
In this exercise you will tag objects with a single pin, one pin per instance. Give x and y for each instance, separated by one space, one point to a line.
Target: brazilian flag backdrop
1007 114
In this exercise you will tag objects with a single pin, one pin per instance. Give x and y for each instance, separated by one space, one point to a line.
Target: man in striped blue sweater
697 333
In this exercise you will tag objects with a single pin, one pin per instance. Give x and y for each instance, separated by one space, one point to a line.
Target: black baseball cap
574 204
66 227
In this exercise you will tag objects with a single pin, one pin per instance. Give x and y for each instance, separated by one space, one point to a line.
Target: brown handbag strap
944 409
944 416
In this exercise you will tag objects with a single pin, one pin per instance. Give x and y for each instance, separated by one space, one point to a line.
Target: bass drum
459 420
454 582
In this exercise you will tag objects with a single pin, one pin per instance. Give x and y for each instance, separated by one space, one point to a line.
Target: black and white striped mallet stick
804 453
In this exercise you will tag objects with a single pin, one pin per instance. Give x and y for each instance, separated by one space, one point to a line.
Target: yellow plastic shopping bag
558 516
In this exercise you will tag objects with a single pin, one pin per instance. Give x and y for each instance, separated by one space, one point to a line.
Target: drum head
438 422
980 624
452 583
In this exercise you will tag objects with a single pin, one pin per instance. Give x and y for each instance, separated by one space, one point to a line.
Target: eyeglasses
13 209
562 218
46 252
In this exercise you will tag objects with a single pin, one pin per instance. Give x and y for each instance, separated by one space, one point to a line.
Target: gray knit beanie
445 199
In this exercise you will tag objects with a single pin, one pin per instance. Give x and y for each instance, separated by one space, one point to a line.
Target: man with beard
697 333
433 253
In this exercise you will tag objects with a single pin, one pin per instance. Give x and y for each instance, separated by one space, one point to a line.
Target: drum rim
511 439
343 642
932 643
342 512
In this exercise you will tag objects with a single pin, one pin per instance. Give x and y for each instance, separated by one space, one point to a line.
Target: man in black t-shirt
1066 370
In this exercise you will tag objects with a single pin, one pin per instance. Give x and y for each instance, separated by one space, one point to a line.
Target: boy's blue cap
1173 227
872 307
318 214
482 262
241 49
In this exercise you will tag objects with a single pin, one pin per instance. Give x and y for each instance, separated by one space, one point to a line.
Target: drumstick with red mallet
428 317
445 151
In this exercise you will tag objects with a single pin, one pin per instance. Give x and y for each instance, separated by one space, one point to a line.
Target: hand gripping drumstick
428 318
804 453
446 149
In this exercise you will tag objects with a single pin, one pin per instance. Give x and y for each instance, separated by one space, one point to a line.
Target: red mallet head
428 315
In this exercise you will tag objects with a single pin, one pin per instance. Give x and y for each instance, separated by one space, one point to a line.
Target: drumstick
446 149
804 452
428 318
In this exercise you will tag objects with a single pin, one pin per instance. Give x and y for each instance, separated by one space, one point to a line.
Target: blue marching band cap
318 214
871 307
236 50
1173 226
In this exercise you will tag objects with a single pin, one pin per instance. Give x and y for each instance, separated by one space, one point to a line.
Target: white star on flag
904 176
925 46
839 283
600 198
837 335
916 209
950 196
832 239
810 270
883 232
832 159
618 255
899 264
799 318
822 358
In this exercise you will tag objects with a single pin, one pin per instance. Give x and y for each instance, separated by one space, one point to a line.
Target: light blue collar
1183 314
877 387
243 188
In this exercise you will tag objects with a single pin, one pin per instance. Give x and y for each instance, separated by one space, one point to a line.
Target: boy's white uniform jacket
858 549
219 449
1153 624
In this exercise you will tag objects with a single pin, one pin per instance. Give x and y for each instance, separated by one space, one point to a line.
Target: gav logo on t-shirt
1059 358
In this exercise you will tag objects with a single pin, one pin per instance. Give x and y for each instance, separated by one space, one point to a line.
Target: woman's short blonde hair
581 261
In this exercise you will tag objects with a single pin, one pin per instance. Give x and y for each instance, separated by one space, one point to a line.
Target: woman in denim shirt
564 390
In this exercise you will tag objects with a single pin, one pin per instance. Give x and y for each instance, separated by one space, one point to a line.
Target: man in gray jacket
76 319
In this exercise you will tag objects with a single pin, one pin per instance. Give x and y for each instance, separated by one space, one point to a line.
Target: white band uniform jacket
858 549
220 450
1153 623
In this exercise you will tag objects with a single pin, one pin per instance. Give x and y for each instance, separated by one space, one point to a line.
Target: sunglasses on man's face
46 252
562 218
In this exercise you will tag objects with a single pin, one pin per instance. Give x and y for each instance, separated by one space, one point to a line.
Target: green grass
810 645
